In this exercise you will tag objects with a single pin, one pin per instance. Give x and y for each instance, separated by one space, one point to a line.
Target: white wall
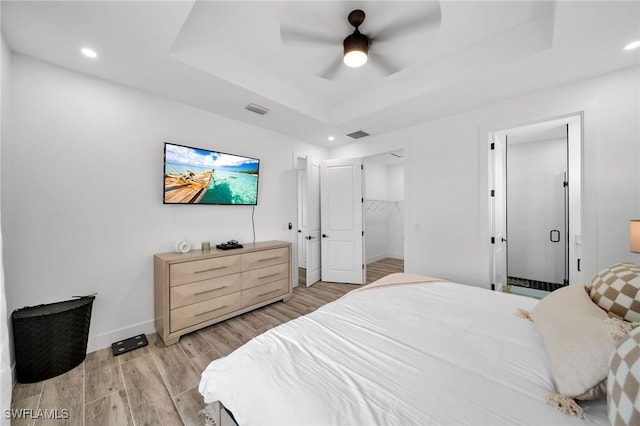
384 191
6 382
446 177
375 219
395 222
82 204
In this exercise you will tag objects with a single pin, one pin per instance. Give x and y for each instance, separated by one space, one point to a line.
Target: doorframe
406 248
576 160
404 193
297 156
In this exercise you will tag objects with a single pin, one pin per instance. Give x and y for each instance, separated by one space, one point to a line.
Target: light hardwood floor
157 384
381 268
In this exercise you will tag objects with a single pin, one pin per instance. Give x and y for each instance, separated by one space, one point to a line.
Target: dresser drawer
266 275
197 289
264 292
188 294
199 312
260 259
203 269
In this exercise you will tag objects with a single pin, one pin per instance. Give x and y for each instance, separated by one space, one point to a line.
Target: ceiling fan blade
385 66
298 35
332 69
429 20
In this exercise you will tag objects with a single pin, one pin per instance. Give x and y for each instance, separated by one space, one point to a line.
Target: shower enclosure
537 211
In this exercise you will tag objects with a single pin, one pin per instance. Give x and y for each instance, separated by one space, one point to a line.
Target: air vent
357 135
258 109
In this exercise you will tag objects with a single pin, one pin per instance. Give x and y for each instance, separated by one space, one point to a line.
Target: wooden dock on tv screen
186 188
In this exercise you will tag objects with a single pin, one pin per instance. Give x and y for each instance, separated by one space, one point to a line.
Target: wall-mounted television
201 176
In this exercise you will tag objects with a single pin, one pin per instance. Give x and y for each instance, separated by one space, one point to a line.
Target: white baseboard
105 340
375 258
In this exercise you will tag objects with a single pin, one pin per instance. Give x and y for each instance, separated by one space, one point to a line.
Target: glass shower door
537 214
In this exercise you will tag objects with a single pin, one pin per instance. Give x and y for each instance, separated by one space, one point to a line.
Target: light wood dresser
197 289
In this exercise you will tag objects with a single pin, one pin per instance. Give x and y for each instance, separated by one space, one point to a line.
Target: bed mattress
417 353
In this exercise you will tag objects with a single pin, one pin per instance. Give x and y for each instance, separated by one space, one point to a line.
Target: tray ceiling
221 56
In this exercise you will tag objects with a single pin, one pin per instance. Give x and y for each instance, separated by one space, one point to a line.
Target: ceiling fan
377 47
356 45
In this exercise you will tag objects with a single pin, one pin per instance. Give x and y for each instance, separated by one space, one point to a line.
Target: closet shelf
382 206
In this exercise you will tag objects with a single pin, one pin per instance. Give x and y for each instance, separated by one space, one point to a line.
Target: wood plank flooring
384 267
157 384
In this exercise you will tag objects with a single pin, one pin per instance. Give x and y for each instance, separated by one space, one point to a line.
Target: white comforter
428 354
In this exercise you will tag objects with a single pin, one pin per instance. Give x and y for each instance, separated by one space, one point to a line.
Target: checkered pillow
616 289
623 382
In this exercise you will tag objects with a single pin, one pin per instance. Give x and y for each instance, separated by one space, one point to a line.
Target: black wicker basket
50 339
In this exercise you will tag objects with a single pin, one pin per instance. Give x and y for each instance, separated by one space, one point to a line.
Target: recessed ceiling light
632 45
89 53
331 138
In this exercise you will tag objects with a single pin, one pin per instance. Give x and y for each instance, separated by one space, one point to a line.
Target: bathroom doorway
536 206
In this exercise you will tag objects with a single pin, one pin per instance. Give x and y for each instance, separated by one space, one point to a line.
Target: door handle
557 240
504 240
309 237
325 236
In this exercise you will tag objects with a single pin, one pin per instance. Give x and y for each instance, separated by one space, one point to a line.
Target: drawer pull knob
209 270
269 276
212 310
269 258
198 293
269 292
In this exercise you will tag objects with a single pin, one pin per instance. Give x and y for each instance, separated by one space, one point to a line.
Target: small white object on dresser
196 289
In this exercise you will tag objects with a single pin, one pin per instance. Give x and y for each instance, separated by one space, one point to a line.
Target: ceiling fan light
355 59
356 47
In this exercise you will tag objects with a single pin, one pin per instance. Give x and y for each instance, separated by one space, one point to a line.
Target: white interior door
312 236
498 212
303 226
341 221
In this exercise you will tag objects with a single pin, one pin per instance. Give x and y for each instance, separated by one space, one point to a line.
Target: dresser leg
172 341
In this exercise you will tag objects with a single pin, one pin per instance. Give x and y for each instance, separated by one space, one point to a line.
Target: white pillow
577 341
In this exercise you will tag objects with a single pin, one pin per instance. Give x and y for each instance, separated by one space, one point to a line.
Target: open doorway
536 205
384 214
381 210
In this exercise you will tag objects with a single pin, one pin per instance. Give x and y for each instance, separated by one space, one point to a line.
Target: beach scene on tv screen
199 176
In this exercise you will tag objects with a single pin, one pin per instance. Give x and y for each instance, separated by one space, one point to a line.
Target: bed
405 350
